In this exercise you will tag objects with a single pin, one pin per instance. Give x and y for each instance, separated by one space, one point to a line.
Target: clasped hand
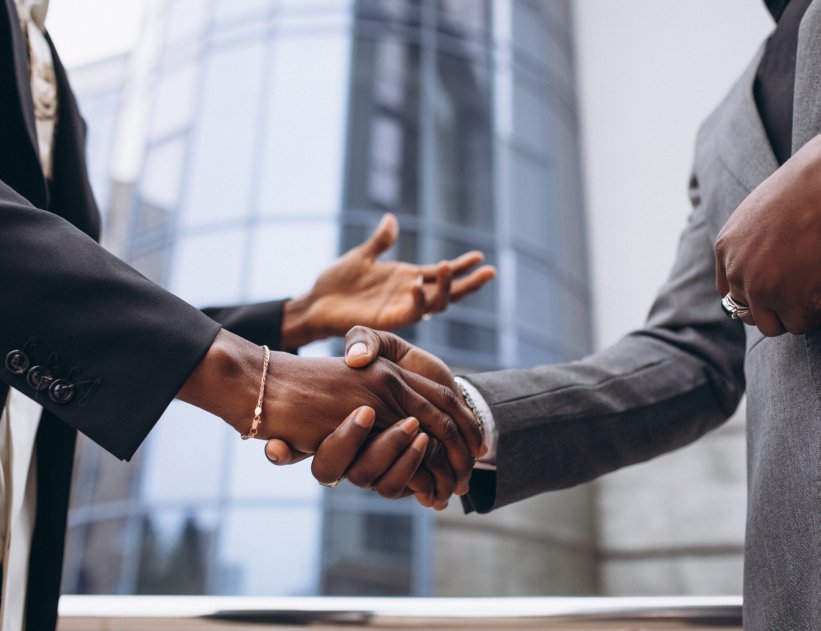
392 463
768 255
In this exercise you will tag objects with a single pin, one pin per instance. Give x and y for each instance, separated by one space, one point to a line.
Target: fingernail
420 443
409 426
364 417
271 459
360 348
461 488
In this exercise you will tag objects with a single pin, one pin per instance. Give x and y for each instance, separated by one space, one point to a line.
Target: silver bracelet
472 406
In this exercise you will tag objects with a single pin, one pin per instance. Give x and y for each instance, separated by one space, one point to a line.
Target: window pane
208 269
222 162
174 100
171 473
305 126
287 257
286 565
160 182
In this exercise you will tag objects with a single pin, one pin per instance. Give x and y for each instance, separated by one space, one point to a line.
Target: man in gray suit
684 372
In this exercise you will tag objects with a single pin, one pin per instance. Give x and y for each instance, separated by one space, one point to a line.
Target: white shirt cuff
485 417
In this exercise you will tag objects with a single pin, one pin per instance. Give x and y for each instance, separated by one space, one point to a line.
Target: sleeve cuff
485 417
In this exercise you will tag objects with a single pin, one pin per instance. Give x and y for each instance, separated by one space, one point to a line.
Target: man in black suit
104 351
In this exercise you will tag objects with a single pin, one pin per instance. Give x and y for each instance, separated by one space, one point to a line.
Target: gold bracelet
258 410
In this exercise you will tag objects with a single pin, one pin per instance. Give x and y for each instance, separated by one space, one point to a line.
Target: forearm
655 390
124 343
226 381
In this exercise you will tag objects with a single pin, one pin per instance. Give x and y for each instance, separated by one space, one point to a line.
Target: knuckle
360 476
734 276
321 472
449 432
391 491
448 397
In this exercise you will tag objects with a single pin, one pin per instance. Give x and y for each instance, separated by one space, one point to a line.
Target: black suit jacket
121 345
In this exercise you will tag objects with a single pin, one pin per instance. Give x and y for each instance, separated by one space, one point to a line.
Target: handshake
413 435
406 428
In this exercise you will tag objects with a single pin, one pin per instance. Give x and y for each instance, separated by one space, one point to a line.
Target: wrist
299 326
226 381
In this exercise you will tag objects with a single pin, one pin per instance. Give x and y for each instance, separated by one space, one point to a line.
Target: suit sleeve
656 389
260 323
119 345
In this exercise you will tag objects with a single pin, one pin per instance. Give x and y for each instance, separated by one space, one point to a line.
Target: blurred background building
237 147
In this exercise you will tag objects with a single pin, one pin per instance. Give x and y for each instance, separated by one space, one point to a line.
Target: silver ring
334 484
733 309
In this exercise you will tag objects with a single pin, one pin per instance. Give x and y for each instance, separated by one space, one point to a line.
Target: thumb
279 453
383 237
364 345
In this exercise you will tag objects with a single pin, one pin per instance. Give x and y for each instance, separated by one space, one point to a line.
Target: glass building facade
272 136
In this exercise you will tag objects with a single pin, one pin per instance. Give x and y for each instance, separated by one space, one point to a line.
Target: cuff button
17 362
39 377
61 391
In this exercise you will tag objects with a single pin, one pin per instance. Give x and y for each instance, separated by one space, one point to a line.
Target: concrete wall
542 546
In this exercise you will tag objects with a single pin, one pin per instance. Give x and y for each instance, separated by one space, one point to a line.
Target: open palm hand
358 288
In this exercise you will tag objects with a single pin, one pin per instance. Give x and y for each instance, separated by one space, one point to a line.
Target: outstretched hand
358 288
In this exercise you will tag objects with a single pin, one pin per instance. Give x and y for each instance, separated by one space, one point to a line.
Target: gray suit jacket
683 374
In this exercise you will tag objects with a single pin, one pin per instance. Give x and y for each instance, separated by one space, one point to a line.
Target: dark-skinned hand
768 255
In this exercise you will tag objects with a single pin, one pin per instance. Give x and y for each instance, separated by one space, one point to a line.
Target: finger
748 319
395 481
383 237
767 321
474 281
722 284
797 320
437 296
422 400
381 453
279 453
465 261
437 465
462 419
363 345
423 486
336 453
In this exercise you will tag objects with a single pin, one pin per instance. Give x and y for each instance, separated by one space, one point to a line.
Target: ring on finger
734 309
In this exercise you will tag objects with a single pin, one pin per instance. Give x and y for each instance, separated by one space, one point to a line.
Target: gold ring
420 280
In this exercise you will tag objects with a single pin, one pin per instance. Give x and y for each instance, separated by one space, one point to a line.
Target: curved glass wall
278 133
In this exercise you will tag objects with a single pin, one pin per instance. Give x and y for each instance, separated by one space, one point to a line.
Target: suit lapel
807 108
21 72
743 145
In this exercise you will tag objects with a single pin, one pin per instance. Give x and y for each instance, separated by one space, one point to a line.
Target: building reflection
242 147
